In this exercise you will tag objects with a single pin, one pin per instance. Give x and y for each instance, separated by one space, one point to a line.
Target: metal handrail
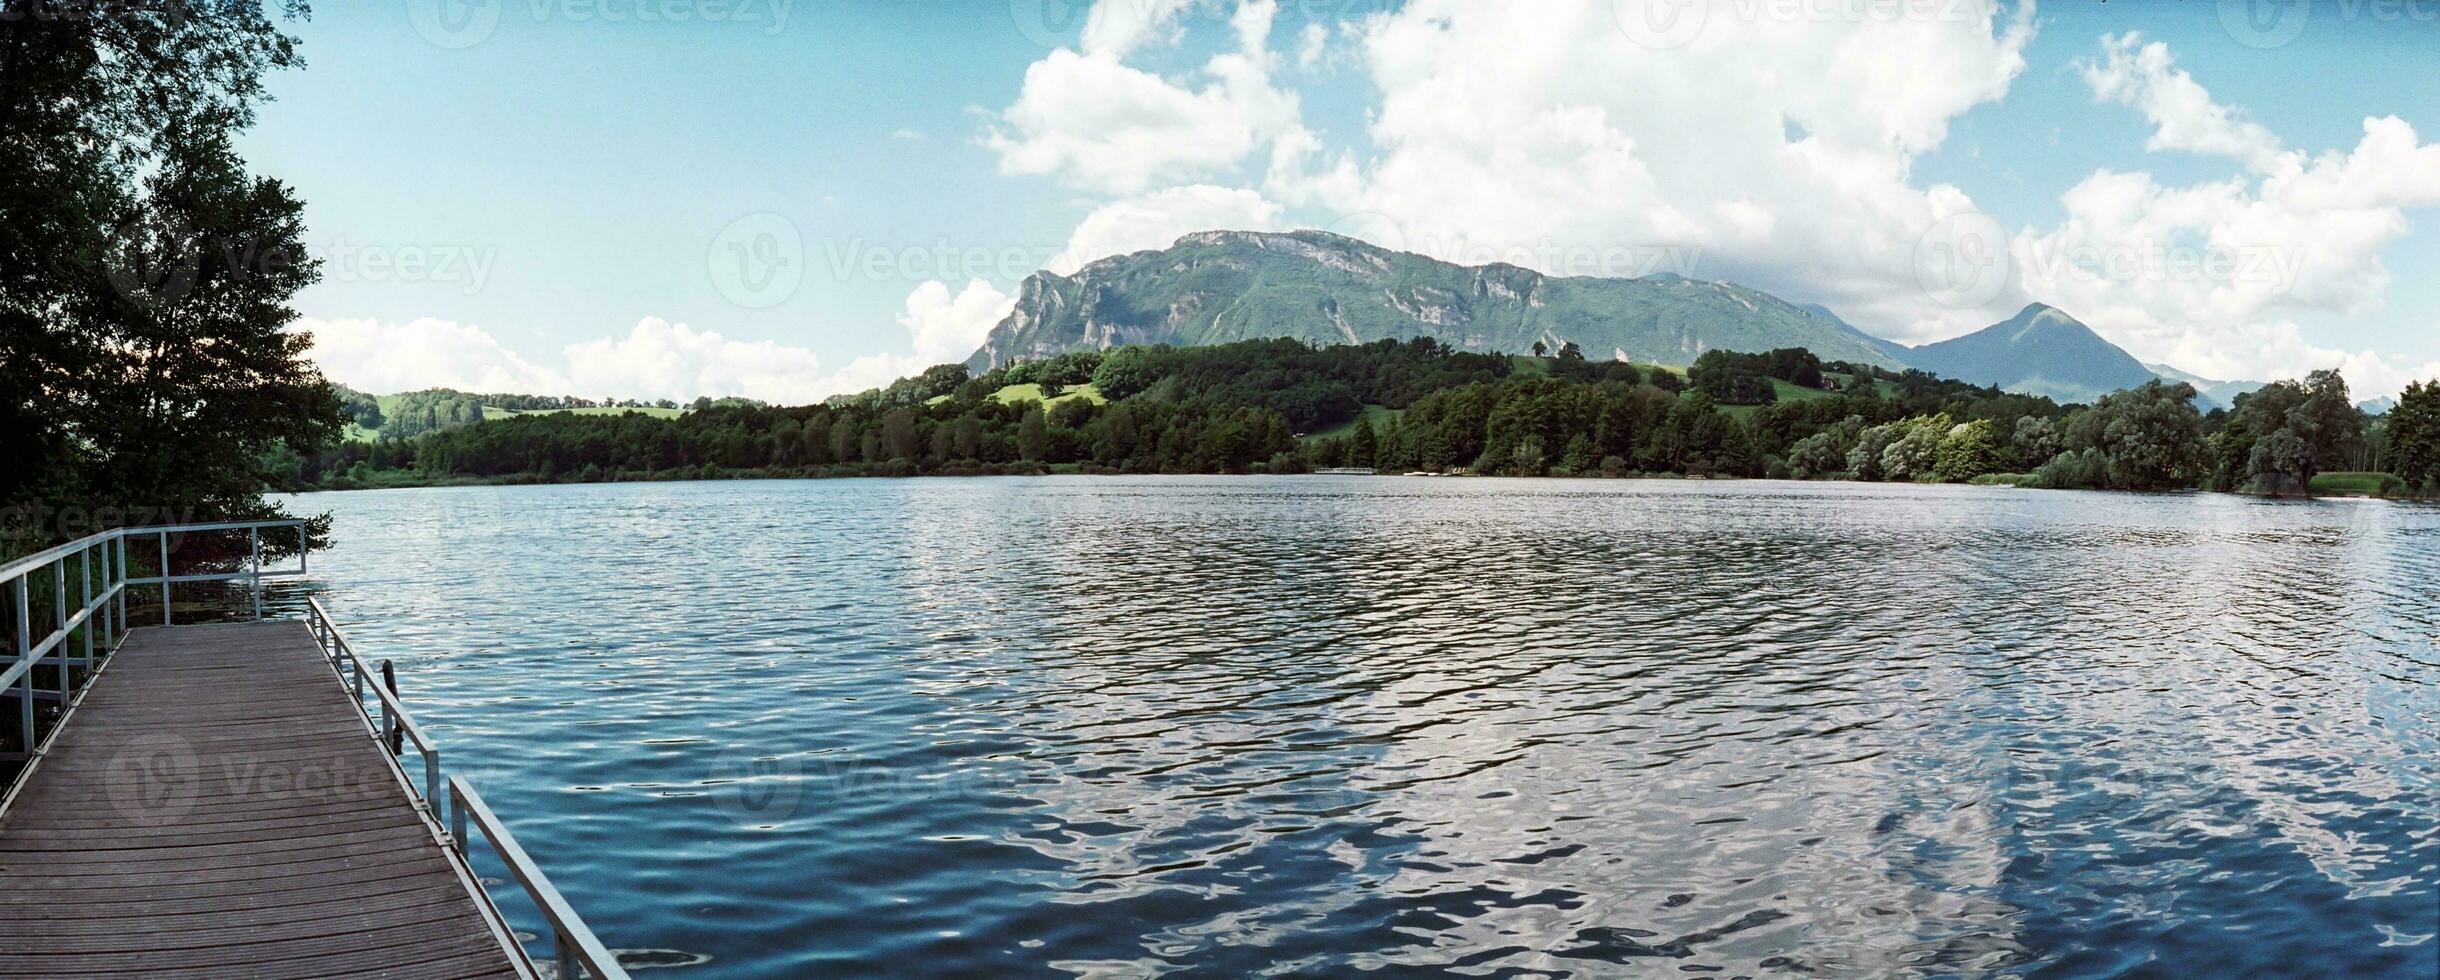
108 604
572 942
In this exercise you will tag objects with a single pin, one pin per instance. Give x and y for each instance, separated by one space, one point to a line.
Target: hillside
1221 286
2039 351
2209 394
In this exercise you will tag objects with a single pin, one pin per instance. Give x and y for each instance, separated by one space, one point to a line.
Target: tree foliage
146 368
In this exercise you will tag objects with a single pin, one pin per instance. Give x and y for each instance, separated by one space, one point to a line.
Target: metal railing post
122 600
254 566
165 578
564 954
25 650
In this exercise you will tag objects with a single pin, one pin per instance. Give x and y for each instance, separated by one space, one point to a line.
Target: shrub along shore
1278 406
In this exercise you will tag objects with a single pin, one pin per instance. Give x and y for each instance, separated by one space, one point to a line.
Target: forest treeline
1283 406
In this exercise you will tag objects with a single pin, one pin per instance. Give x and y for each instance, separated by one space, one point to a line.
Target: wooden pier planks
216 808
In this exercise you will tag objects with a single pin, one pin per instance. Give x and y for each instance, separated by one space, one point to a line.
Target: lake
1225 726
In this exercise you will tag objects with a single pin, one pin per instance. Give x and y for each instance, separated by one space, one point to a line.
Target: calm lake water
1316 726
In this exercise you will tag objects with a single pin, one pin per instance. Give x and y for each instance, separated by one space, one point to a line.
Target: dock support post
165 578
389 718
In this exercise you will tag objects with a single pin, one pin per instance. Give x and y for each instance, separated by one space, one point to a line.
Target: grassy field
491 412
2002 480
2358 485
389 404
1374 414
1033 393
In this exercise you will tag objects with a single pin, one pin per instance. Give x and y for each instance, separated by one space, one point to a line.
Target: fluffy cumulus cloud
1573 138
1089 120
2183 116
660 359
948 327
1155 220
2213 276
368 355
654 359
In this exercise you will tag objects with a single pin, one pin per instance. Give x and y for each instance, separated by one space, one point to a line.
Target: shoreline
1070 469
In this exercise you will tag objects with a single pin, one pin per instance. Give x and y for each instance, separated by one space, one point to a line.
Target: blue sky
539 193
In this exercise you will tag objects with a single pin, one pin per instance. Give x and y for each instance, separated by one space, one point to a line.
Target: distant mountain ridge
1220 286
2038 351
1214 287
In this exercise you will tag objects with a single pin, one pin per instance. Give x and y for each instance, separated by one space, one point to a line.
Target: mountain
1219 286
2039 351
2209 394
1894 350
2377 406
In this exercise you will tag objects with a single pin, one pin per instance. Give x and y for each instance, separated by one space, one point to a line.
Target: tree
1362 445
1033 435
144 275
1864 460
2414 436
898 439
1915 455
2149 436
2034 442
1969 450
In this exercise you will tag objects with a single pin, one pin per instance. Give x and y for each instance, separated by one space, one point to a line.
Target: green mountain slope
1221 286
2039 351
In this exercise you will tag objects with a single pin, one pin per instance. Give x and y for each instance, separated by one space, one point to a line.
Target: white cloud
1779 151
2211 276
425 353
1156 220
1312 46
1091 121
2181 111
659 359
948 328
1115 28
1548 135
655 359
907 135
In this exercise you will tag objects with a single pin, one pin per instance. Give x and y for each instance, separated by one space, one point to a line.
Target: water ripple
1220 727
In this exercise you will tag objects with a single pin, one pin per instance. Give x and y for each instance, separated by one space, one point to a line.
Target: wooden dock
215 806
